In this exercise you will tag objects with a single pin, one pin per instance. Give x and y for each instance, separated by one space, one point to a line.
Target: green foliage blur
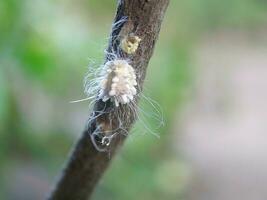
45 49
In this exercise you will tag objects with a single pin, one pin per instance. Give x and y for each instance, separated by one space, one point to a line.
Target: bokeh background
208 74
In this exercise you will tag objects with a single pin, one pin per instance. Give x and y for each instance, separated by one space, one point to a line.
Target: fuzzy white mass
118 81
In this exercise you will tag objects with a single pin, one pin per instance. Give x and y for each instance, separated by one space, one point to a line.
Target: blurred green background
45 49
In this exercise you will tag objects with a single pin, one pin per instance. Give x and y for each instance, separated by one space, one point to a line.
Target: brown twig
87 165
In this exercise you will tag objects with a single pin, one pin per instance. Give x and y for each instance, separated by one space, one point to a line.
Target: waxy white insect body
118 82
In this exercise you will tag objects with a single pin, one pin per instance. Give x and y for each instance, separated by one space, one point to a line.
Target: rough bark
87 165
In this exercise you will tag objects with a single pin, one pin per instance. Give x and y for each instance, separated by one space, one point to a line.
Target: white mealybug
117 82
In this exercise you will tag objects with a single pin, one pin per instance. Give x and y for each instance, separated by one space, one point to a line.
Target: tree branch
87 165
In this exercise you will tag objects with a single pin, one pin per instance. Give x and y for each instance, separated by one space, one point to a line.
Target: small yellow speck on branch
130 43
